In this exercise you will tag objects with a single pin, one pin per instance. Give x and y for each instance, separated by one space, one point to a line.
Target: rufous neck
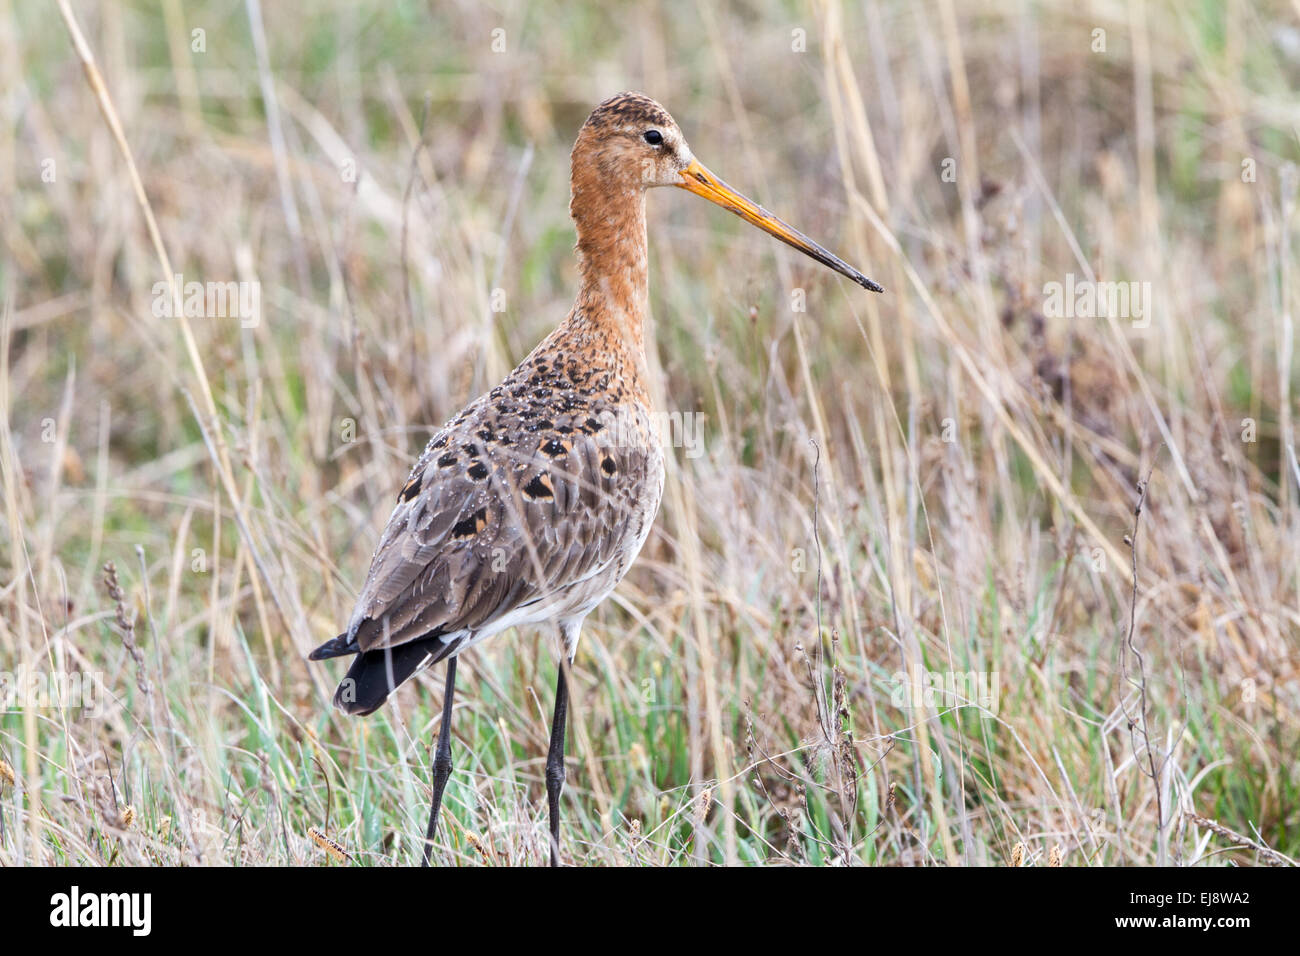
612 257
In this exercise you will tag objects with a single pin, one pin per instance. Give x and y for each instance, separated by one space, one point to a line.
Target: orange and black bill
697 179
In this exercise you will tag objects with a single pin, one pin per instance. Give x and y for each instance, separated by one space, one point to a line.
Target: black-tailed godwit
529 506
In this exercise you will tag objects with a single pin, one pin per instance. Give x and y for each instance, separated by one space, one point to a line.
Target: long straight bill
698 180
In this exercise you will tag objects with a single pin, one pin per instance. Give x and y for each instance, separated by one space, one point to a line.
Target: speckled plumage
532 503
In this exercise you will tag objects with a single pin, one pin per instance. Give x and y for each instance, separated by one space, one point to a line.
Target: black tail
376 674
335 647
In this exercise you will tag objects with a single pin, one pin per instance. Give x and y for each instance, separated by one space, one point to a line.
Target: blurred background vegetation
935 481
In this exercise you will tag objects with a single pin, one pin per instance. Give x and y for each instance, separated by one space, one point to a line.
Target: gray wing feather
492 526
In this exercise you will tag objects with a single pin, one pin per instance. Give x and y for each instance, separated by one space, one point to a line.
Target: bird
529 506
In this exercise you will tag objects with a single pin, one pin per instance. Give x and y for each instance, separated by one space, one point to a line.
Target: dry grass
976 458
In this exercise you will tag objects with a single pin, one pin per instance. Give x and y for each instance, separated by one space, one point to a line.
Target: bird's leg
555 760
441 759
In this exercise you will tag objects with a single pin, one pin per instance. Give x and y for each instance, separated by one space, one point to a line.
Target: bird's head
630 143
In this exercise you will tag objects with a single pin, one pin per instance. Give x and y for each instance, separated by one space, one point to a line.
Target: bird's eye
654 137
